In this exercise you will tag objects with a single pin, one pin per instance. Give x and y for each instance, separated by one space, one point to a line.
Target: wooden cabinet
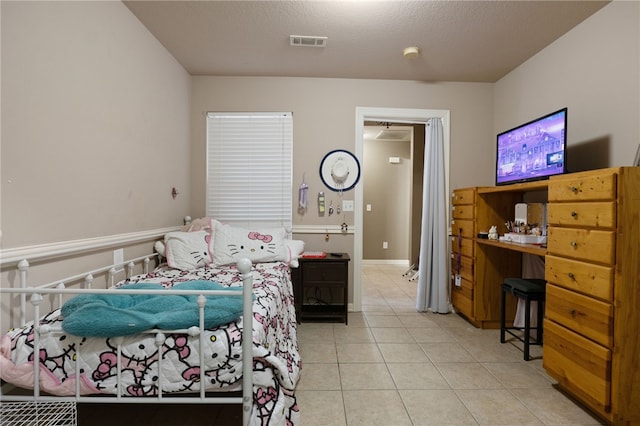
463 230
321 289
592 315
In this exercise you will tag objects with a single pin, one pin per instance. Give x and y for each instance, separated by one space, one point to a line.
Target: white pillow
232 243
160 249
296 248
187 250
200 224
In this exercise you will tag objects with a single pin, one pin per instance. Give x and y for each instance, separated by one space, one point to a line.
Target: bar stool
529 289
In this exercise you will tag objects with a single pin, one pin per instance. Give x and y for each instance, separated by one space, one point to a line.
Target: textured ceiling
473 41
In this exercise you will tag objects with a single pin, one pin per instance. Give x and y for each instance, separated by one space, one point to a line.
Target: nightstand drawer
325 273
322 288
582 314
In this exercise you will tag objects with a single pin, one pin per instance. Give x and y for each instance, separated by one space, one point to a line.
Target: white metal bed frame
59 288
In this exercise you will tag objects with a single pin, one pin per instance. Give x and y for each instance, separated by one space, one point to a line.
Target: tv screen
533 151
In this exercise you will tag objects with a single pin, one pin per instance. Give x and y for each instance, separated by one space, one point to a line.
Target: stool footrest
532 341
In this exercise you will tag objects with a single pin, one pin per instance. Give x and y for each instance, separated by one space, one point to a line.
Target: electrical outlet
385 245
347 205
118 259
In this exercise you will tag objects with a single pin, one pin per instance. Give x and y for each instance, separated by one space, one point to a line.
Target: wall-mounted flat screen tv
533 151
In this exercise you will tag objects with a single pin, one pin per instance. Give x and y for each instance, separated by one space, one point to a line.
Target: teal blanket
110 315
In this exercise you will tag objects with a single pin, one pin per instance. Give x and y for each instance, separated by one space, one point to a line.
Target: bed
97 347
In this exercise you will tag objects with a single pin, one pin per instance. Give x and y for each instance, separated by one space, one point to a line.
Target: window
249 168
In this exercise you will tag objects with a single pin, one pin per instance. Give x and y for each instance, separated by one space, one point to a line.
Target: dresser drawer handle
573 277
572 312
573 189
574 244
574 214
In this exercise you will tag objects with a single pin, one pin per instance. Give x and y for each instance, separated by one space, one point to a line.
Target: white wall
95 124
99 122
324 117
96 115
594 70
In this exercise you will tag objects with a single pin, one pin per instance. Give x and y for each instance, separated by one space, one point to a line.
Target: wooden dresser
463 229
592 267
592 314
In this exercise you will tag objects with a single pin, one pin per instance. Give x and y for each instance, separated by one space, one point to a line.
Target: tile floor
393 366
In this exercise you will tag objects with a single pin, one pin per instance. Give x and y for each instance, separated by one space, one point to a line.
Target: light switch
368 207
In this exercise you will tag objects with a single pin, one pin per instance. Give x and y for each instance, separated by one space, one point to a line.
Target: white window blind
249 168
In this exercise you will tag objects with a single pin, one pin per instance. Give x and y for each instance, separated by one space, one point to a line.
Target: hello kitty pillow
187 250
258 245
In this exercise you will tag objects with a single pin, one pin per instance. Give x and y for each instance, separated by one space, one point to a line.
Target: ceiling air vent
310 41
395 135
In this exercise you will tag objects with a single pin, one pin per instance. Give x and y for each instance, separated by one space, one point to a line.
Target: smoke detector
309 41
411 52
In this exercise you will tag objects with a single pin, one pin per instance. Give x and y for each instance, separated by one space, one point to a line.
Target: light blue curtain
433 271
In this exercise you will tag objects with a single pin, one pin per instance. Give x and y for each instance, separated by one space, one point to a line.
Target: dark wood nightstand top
328 257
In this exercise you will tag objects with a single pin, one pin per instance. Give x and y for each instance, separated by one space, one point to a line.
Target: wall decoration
340 170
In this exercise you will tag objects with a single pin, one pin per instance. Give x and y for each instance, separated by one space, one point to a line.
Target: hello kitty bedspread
275 350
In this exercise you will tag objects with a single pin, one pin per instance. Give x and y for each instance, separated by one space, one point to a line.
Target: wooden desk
483 264
534 249
591 340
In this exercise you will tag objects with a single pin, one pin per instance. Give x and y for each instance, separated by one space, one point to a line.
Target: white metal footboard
58 288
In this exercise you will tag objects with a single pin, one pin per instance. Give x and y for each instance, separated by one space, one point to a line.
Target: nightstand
321 288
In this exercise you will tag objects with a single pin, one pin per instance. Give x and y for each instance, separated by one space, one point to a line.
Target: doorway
387 181
396 115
